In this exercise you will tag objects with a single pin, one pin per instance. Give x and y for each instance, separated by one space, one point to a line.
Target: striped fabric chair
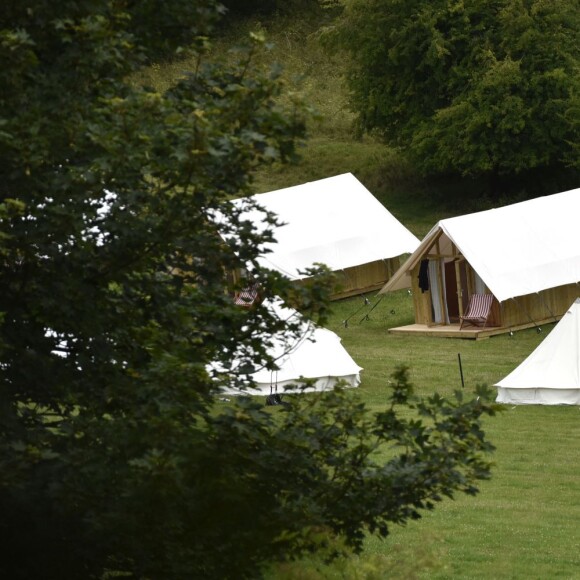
247 297
478 310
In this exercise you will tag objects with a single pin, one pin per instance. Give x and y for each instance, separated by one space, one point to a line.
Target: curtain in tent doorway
436 272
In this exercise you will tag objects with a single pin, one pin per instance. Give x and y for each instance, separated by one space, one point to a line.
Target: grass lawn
525 523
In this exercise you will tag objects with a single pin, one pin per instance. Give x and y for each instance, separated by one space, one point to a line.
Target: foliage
267 7
468 87
312 476
116 455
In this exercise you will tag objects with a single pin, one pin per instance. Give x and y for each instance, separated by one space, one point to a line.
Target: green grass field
525 523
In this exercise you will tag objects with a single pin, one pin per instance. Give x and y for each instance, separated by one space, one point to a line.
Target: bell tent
316 354
551 374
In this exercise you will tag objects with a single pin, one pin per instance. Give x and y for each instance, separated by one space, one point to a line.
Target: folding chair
247 297
478 310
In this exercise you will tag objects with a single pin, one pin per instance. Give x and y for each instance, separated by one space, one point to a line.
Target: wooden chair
478 310
247 297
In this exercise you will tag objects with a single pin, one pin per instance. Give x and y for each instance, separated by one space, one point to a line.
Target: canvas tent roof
334 221
551 373
516 250
316 354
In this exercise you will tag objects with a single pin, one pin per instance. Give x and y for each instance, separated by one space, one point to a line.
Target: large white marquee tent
527 255
551 374
334 221
516 249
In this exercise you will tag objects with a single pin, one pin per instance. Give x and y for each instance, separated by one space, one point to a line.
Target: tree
266 7
117 456
472 87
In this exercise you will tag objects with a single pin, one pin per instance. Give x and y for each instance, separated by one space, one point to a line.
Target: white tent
551 374
317 353
516 250
334 221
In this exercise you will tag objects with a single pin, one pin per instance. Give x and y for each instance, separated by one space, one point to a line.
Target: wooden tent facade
439 306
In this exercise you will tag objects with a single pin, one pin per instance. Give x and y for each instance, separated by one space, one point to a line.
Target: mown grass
523 524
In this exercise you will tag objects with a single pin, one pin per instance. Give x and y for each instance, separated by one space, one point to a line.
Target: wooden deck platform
470 332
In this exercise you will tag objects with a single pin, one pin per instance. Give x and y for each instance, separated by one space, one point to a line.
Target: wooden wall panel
365 278
551 303
421 300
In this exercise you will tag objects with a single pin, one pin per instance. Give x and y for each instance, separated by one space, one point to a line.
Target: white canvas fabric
551 374
317 354
334 221
517 249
